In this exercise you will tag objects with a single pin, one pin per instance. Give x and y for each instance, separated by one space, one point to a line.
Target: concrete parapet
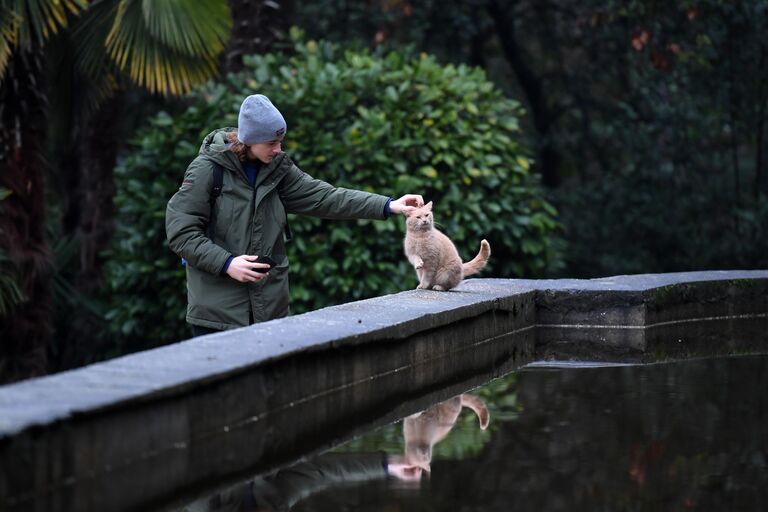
645 318
133 431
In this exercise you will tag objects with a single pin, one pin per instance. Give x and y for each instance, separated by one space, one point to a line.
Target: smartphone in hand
264 259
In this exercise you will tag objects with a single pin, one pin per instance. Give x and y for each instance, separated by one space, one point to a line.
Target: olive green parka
248 220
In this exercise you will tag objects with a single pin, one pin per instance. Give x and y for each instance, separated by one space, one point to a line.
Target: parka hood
215 147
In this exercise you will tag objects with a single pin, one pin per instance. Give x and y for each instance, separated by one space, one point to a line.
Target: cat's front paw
421 287
438 288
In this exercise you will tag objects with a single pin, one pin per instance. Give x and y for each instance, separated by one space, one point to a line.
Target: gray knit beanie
259 121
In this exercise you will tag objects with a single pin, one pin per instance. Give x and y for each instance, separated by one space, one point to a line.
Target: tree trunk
90 211
25 332
548 160
256 27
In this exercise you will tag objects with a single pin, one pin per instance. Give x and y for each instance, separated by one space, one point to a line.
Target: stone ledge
173 369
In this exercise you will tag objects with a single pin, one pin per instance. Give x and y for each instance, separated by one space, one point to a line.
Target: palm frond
189 26
10 290
9 36
154 63
67 251
39 19
90 59
25 21
10 293
89 34
165 72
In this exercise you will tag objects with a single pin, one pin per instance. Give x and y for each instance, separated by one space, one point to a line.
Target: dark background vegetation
642 122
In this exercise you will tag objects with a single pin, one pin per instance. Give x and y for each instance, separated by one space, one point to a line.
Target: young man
227 286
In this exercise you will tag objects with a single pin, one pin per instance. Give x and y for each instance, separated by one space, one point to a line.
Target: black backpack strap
218 181
287 233
216 186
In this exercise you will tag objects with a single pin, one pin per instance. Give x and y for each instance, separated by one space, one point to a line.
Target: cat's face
420 219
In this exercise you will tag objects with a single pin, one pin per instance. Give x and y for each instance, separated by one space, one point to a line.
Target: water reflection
423 430
679 436
281 490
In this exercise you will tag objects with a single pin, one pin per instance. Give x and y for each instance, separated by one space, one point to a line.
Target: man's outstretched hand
406 203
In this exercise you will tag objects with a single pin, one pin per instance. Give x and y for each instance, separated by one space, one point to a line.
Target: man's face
264 151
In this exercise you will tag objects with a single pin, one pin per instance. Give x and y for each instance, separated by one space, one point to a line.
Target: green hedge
393 124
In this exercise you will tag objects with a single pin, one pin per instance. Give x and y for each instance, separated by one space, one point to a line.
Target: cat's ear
428 206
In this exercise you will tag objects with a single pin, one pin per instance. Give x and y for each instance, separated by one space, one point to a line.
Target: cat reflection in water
282 488
433 255
424 430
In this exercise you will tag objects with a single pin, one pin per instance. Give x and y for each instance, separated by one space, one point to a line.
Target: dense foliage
676 144
393 124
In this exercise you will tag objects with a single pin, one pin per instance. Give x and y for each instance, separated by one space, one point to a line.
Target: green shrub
392 124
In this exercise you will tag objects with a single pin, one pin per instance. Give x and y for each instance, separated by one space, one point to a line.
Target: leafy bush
392 124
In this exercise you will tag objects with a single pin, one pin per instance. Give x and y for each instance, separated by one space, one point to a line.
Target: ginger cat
433 255
425 429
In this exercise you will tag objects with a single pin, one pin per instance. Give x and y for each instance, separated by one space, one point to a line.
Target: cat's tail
478 262
477 405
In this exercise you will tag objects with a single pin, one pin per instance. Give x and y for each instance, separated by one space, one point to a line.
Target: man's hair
237 147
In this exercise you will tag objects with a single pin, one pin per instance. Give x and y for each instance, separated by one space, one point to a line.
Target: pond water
689 435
